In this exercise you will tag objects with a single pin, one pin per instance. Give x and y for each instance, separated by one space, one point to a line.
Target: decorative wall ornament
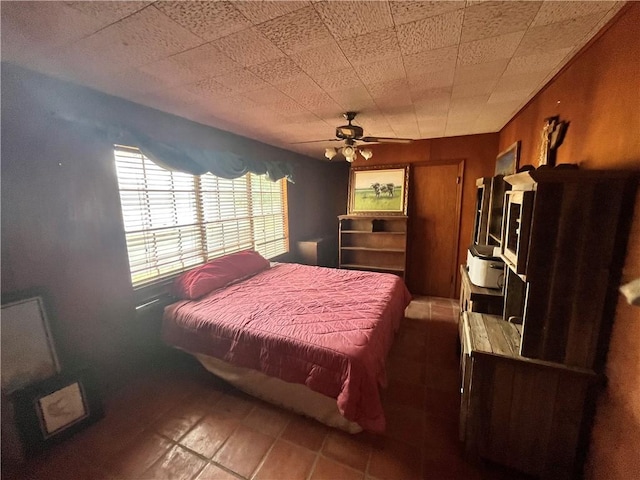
551 138
379 190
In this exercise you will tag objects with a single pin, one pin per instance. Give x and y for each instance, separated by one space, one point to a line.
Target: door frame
459 188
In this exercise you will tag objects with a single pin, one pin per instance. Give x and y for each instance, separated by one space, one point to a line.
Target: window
174 221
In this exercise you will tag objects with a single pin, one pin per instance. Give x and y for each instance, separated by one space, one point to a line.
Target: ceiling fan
349 134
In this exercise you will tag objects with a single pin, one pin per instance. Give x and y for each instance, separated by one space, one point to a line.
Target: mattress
324 328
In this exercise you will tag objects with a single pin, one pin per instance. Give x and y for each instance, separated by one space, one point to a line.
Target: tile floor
179 422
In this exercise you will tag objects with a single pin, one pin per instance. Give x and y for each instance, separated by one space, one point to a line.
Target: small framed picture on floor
54 409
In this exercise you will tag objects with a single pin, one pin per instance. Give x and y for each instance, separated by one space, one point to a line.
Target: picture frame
507 162
54 409
28 352
379 190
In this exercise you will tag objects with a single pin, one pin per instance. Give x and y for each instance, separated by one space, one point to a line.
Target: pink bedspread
328 329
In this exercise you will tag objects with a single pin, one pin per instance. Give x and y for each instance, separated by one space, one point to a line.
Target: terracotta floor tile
441 378
306 433
405 394
267 419
405 370
210 433
396 461
143 452
405 424
347 449
179 420
235 404
327 469
107 437
214 472
176 464
286 461
244 450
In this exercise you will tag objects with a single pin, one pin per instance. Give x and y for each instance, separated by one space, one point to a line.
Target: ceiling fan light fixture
366 153
330 153
349 153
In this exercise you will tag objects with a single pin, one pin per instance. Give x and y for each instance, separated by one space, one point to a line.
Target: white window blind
174 221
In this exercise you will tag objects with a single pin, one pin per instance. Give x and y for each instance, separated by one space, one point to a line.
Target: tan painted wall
599 93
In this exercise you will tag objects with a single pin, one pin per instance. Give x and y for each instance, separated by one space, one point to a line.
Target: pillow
217 273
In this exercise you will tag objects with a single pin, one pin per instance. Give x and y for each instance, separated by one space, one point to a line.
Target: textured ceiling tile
382 71
300 87
209 87
289 108
537 62
322 59
261 11
207 59
431 80
340 79
407 11
491 19
510 96
241 81
489 49
142 38
371 47
353 99
522 81
349 19
29 27
208 20
467 106
296 31
480 72
248 47
430 33
108 12
557 35
432 102
433 122
431 60
560 11
172 72
473 89
267 96
315 102
279 70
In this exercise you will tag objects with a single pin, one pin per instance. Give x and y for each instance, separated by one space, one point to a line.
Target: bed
311 339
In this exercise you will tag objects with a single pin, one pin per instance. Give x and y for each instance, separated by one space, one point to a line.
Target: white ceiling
284 71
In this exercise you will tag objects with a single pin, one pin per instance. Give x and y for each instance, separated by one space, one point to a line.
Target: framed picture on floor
379 190
28 350
56 408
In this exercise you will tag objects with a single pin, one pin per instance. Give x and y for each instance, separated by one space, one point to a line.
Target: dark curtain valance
187 159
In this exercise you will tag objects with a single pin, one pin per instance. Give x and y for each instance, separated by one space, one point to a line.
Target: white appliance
486 268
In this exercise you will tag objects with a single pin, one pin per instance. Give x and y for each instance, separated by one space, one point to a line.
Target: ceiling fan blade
386 140
318 141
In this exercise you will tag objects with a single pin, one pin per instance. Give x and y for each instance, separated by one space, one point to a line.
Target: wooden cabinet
528 388
527 414
478 299
496 209
565 233
376 243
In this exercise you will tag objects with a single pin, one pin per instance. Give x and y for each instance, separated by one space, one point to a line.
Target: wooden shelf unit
377 243
478 299
564 237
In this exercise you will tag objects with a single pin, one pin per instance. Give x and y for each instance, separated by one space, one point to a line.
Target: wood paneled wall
479 155
599 93
61 221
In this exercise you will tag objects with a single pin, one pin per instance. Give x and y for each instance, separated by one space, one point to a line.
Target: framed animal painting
379 190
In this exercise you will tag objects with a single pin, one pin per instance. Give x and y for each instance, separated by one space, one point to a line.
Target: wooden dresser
527 414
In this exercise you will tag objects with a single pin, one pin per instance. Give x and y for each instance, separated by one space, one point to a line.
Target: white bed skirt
296 397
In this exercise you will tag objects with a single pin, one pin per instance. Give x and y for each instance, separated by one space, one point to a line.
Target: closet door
434 216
